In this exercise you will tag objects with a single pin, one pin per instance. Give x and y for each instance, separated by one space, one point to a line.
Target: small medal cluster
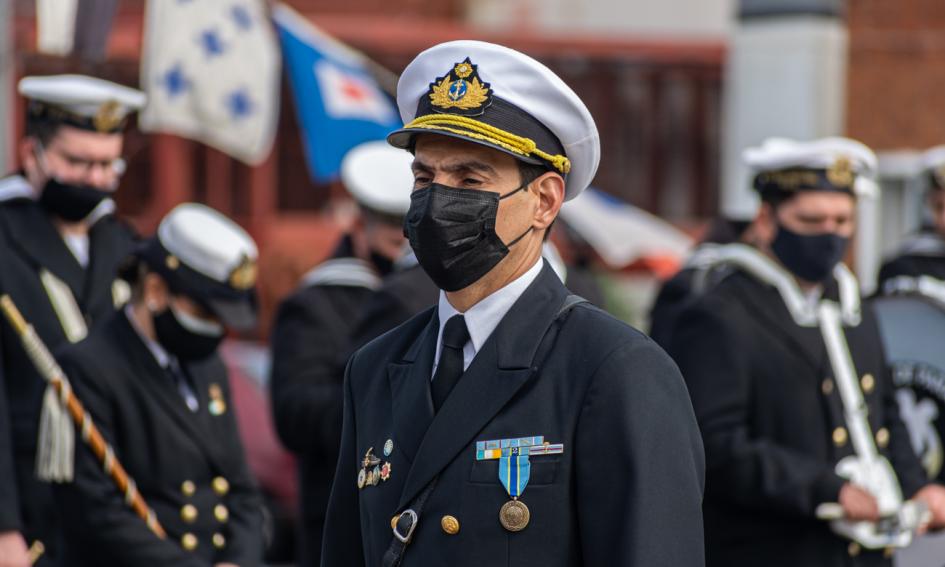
514 472
373 472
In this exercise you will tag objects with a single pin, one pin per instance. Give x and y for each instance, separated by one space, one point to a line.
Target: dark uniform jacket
402 295
625 491
189 466
311 334
30 244
921 255
772 421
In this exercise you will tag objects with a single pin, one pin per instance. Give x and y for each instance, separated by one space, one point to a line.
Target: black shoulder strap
408 519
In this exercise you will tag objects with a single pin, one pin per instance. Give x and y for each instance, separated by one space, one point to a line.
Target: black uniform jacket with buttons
626 490
163 445
769 411
29 243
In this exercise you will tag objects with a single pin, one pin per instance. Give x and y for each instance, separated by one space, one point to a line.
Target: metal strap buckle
412 519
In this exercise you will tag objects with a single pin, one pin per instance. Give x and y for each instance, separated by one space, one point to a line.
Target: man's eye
421 181
471 181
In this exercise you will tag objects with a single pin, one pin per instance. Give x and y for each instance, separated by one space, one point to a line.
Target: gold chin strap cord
487 133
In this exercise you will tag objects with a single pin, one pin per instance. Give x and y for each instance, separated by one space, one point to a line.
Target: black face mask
810 257
452 233
182 339
381 263
70 202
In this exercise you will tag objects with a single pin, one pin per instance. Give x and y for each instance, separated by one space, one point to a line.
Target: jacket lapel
107 248
149 374
501 367
36 237
410 388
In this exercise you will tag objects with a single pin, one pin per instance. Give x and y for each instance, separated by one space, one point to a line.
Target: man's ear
27 148
765 225
550 190
155 292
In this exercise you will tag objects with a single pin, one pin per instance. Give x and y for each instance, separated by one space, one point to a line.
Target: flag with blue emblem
212 73
338 102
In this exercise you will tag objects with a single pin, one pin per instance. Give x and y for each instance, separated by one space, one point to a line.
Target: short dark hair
43 130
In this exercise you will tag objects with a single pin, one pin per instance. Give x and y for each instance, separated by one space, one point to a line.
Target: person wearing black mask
512 423
154 385
789 380
61 248
314 326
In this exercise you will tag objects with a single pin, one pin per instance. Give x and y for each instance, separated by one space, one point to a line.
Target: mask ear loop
509 194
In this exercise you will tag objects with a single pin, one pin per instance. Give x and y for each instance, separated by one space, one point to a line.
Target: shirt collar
162 357
483 317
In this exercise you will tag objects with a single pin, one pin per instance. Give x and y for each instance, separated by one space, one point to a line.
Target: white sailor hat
379 177
933 165
80 101
498 97
210 259
781 165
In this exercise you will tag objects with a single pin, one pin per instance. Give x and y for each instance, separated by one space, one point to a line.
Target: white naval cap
209 258
932 163
826 164
84 102
498 97
379 177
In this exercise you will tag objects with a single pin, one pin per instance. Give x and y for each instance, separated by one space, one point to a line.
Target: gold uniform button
219 541
188 513
882 438
188 488
888 552
221 486
827 386
450 525
868 383
188 541
853 549
839 437
221 513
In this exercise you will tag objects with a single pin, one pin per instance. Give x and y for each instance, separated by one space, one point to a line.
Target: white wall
692 19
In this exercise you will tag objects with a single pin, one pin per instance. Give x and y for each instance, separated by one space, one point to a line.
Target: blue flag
338 102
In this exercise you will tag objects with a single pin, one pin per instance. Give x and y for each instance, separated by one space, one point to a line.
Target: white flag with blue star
212 70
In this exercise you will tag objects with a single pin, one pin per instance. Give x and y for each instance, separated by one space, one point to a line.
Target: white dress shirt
483 317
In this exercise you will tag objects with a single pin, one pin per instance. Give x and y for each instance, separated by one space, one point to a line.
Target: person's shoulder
596 333
393 344
93 357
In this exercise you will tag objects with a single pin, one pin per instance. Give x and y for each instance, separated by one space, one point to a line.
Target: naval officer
510 424
790 383
314 325
61 248
157 390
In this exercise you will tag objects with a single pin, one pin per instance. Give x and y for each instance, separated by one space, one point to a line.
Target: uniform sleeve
640 464
9 502
93 511
341 542
752 473
305 389
244 545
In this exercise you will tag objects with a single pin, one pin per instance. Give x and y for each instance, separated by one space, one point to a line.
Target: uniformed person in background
313 327
773 402
922 255
155 386
912 284
509 424
61 249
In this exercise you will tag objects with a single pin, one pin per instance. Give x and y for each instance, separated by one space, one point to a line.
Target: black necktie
450 368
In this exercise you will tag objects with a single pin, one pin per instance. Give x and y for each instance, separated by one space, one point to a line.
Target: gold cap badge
461 91
243 276
841 172
108 116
